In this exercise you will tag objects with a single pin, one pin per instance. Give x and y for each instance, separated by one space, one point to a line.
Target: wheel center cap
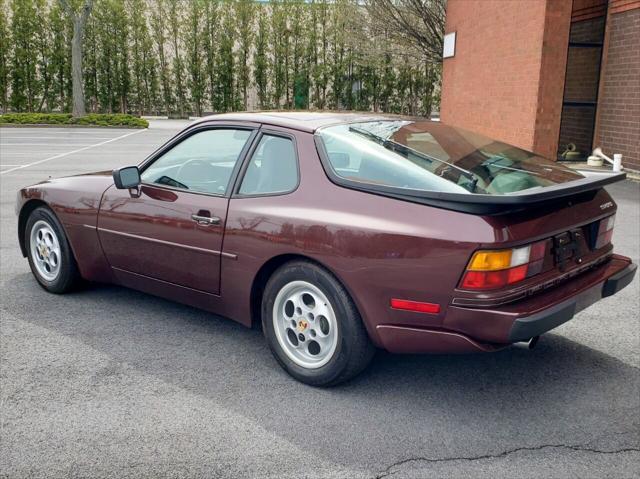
302 325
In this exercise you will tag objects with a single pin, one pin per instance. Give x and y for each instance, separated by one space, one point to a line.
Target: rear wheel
312 326
48 251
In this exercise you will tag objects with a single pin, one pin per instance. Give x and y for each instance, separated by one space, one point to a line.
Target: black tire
353 351
68 276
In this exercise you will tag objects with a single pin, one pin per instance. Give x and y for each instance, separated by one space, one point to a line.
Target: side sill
402 339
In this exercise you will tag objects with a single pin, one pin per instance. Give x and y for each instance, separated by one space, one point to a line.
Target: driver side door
171 228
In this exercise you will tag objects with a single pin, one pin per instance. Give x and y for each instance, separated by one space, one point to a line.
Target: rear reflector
605 231
416 306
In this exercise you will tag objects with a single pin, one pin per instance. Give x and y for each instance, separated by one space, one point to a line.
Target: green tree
140 48
320 43
25 85
387 84
90 63
5 55
159 28
120 21
244 12
225 64
180 55
279 40
175 9
195 58
45 70
103 34
60 58
338 48
300 59
210 41
261 62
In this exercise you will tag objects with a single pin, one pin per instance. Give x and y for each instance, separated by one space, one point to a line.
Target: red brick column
507 76
618 116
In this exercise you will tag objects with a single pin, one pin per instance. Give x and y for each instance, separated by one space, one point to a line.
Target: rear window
432 156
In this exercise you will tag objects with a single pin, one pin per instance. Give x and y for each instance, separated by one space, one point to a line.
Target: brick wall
618 117
555 43
507 76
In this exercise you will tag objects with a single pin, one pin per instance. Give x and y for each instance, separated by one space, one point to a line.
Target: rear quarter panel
377 247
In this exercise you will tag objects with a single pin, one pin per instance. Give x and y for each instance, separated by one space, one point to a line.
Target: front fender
76 202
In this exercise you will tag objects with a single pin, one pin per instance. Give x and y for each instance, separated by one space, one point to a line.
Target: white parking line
70 152
59 137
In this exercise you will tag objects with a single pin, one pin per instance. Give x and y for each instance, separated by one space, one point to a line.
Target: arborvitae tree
91 52
387 84
60 59
279 39
103 33
338 47
195 61
210 40
299 61
143 55
43 48
25 85
225 62
244 13
320 71
123 74
431 95
151 74
159 29
5 53
175 9
261 61
139 34
403 90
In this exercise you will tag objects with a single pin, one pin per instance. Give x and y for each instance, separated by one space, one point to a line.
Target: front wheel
312 326
48 251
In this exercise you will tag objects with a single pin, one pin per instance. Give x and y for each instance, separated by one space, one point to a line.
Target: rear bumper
528 327
470 330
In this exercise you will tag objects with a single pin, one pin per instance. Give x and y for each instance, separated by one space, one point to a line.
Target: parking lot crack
394 468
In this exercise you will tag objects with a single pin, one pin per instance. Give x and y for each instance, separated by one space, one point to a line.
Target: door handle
206 220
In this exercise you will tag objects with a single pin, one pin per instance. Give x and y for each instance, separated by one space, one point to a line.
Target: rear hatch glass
431 156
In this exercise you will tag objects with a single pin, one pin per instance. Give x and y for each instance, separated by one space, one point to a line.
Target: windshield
432 156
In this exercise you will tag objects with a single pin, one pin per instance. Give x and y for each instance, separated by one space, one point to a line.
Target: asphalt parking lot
112 382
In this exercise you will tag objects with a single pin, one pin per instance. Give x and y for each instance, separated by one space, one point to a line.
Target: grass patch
98 119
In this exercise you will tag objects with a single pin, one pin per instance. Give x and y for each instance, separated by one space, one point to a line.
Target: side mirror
126 177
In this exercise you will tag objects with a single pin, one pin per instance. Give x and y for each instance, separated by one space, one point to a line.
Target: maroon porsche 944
339 234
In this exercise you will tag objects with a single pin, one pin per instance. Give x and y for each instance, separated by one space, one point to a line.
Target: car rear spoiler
482 204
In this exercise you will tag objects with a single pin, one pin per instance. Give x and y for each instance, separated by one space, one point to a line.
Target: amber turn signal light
493 269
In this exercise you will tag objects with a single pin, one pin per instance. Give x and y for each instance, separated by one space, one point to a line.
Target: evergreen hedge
98 119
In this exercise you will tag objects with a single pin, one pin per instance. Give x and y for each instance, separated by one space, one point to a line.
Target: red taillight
508 267
605 231
415 306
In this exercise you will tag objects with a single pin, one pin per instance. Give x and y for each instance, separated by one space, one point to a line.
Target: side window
273 168
202 163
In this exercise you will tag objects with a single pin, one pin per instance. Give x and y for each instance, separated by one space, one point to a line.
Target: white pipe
616 162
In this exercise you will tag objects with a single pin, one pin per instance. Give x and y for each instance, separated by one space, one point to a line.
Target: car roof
308 121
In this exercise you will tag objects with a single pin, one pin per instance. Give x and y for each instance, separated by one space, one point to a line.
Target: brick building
543 74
